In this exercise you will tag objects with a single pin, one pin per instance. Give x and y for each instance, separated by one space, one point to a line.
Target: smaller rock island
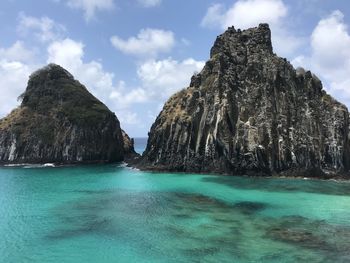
60 121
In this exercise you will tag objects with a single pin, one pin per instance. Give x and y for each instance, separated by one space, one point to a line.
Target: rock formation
59 121
128 144
250 112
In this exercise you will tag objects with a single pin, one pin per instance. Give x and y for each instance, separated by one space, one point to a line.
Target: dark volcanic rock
250 112
128 144
60 121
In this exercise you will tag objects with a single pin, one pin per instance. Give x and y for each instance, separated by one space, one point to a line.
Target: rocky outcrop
128 144
250 112
59 121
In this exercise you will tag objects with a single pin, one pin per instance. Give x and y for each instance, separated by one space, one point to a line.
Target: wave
15 165
45 165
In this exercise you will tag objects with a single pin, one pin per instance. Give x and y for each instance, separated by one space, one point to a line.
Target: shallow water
110 213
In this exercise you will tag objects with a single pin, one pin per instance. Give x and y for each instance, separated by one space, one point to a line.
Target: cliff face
59 121
128 144
250 112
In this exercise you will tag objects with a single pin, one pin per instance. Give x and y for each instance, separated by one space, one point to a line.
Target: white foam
15 165
49 165
46 165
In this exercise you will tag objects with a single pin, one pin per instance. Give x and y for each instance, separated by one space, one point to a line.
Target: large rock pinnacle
250 112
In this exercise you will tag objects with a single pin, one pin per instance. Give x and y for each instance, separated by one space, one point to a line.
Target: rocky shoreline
322 175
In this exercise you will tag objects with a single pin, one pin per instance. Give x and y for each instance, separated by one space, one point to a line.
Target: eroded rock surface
128 143
250 112
60 121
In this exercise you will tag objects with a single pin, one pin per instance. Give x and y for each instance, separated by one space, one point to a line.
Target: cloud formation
162 78
124 97
330 55
246 13
44 28
150 3
149 42
90 7
17 52
159 79
15 68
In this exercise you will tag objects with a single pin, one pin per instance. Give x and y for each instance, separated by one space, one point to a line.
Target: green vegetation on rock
59 120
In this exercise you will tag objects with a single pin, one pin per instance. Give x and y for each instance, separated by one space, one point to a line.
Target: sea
113 213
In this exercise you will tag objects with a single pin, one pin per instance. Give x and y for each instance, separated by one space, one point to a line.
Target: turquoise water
110 213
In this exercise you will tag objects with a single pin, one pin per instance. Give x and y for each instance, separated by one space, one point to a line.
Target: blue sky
134 54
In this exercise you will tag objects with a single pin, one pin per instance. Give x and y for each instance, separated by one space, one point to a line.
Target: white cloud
285 43
128 117
17 52
150 3
215 16
149 42
90 7
14 76
330 43
159 79
249 13
67 53
15 67
244 14
124 97
162 78
44 28
330 58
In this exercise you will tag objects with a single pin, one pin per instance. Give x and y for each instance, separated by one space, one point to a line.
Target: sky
133 55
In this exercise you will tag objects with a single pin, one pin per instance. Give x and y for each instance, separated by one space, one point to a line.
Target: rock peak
256 39
51 70
51 85
264 26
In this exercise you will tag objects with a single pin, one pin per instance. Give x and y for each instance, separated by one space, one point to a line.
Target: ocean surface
111 213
